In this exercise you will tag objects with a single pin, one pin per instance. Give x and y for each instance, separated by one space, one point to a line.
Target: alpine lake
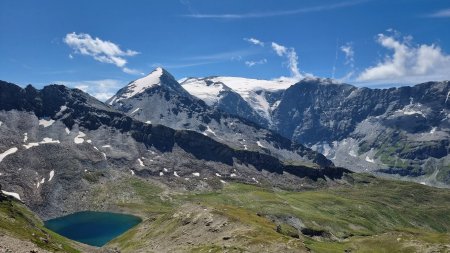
92 228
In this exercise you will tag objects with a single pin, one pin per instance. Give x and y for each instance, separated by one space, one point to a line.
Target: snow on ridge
12 194
247 88
140 85
209 93
46 123
8 152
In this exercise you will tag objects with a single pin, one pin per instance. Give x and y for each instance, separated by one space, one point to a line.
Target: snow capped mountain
258 94
171 105
156 78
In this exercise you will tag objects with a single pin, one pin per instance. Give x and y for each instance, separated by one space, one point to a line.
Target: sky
100 46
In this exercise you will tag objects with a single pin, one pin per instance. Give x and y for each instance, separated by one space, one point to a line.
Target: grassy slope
369 215
19 222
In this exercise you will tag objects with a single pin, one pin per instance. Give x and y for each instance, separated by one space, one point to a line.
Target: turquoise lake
92 228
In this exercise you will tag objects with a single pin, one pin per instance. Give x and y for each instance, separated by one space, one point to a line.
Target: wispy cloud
408 63
347 49
317 8
223 56
291 56
100 50
349 54
445 13
100 89
254 41
182 65
254 63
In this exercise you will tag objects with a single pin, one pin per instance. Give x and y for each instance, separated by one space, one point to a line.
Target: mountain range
243 164
397 132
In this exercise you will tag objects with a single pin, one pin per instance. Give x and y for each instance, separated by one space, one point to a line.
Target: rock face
402 131
58 144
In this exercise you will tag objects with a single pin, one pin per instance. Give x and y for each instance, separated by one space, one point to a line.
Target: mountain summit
157 78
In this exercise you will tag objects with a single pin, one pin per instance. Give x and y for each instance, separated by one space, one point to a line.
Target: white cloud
253 63
445 13
409 63
291 56
100 50
254 41
132 71
317 8
100 89
279 49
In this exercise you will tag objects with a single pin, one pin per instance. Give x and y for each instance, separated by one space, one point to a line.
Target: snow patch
148 122
209 130
132 172
104 155
161 174
137 109
352 153
48 140
8 152
79 138
12 194
222 181
52 174
61 110
196 174
218 175
89 141
166 170
30 145
141 162
46 123
106 146
446 99
254 179
369 160
40 182
232 175
259 144
67 130
175 174
25 137
433 130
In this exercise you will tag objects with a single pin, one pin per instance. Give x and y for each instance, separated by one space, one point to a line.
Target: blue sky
102 45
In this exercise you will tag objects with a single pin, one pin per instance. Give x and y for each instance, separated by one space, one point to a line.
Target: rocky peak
156 79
